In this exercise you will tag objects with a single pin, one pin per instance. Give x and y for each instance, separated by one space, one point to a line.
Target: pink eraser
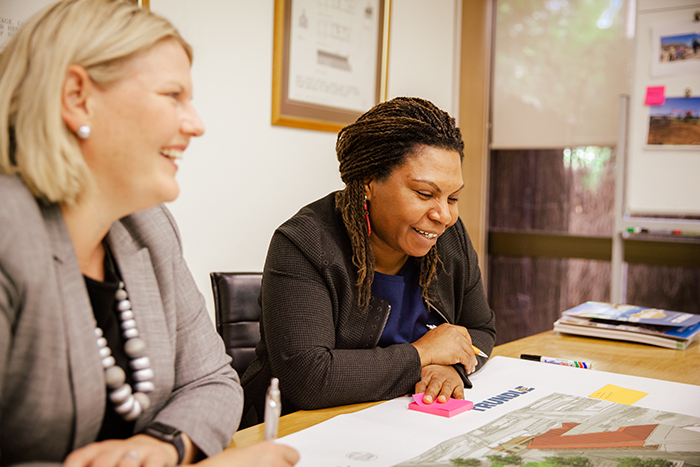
449 409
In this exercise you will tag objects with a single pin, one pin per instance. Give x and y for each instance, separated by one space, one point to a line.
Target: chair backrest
238 314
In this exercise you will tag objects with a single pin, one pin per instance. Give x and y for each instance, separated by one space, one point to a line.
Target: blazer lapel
86 373
137 271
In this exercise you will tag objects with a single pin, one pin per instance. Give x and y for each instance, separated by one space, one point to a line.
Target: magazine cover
674 332
633 314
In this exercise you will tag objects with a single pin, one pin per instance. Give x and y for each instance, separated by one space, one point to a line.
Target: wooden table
682 366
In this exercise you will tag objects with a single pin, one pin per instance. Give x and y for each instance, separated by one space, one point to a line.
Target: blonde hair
98 35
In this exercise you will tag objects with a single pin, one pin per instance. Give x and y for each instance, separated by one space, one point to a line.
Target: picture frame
675 48
14 13
330 61
675 124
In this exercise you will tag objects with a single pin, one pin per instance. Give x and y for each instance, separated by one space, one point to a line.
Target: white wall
424 48
244 177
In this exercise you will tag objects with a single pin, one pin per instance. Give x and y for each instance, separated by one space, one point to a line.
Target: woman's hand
263 454
143 450
139 450
440 382
447 344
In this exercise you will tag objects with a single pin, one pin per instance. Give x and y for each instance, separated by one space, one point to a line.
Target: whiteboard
661 179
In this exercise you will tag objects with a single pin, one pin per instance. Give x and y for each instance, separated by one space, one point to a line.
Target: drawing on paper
571 431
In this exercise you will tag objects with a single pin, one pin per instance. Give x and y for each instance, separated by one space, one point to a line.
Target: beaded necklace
128 402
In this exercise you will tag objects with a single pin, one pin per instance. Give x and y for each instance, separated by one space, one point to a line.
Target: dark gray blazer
314 337
52 389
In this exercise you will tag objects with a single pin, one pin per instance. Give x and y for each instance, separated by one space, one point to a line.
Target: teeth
426 234
174 154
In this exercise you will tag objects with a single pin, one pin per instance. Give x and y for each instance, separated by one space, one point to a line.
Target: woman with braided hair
375 291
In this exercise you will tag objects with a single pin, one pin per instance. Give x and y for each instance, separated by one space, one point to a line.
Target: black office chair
237 314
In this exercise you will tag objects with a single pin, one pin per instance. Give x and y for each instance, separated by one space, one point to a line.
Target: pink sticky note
655 95
449 409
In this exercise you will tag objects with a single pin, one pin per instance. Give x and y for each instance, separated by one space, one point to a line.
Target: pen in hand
273 409
477 351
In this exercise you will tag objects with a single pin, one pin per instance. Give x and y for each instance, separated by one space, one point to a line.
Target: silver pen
273 409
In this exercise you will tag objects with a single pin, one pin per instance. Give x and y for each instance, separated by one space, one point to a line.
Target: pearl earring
84 132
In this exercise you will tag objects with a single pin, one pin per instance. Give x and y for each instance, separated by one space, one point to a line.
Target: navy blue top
409 316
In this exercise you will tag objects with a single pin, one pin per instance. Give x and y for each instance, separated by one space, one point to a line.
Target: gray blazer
52 389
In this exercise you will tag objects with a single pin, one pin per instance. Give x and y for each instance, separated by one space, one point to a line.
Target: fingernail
427 399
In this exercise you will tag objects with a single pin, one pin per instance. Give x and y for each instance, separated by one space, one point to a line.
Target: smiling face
413 206
141 125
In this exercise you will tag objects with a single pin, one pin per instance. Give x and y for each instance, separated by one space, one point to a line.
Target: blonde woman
107 354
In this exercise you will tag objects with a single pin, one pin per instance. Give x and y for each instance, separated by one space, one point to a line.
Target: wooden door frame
474 118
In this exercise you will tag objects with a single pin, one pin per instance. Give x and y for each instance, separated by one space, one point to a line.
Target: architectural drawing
571 431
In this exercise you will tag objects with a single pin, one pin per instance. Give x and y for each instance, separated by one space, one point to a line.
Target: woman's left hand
139 450
440 382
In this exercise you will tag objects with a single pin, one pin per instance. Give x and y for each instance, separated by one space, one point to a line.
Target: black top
103 301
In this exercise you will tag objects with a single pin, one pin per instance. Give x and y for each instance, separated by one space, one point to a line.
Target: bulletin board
663 157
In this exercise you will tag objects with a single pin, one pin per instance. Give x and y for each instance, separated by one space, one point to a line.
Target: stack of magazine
663 328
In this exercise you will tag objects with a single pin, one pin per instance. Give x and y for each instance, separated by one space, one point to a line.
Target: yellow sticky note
617 394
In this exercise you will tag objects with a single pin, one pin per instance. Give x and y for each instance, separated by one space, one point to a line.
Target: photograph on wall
675 123
675 48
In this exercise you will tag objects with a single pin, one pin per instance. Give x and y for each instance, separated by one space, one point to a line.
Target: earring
369 227
84 132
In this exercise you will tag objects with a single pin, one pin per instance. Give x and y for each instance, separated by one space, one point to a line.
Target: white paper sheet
389 433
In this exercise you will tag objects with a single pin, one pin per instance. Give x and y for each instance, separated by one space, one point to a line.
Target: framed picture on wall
676 123
676 48
14 13
329 61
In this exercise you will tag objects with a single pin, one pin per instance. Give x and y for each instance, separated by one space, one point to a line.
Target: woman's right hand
263 454
447 344
439 383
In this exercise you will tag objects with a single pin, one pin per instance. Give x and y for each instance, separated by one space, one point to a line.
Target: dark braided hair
376 144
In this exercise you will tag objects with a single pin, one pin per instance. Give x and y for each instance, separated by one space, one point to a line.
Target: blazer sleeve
301 321
8 302
5 325
207 399
475 314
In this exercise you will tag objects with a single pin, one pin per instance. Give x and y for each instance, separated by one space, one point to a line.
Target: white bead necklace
127 403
